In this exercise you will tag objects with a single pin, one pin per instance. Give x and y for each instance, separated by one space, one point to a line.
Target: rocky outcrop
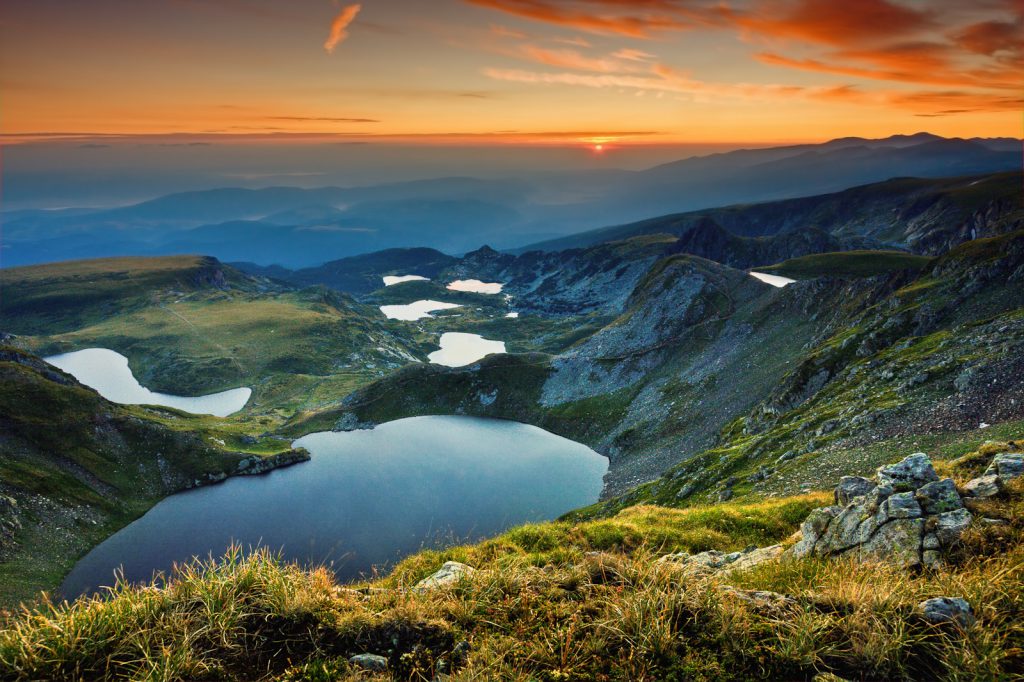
258 464
907 516
714 562
1003 469
449 574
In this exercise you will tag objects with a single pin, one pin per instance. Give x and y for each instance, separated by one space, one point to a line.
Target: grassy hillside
190 325
848 264
933 361
66 488
560 601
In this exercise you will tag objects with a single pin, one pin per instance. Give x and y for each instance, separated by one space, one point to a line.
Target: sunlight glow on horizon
469 72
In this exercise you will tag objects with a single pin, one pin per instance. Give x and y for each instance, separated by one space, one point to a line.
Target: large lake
364 500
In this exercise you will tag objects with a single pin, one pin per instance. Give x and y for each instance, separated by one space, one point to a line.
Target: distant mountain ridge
926 216
308 227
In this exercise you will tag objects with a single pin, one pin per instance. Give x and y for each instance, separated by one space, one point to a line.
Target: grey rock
725 495
449 574
811 530
874 500
371 662
786 456
982 487
898 541
898 506
850 487
908 474
951 525
685 491
938 497
1006 467
713 562
940 610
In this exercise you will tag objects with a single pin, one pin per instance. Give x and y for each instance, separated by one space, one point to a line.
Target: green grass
848 264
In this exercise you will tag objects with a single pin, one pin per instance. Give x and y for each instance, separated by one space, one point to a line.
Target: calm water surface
367 498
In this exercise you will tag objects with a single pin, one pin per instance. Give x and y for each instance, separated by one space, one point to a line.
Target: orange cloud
654 15
633 55
572 59
340 25
835 23
991 37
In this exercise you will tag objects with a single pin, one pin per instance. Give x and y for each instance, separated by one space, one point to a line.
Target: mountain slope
698 348
191 325
923 215
64 489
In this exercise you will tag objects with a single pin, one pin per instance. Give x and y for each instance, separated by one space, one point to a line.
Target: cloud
633 18
834 23
633 55
991 37
572 59
329 119
340 25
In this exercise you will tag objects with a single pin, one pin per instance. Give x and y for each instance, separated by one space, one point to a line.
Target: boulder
908 474
939 497
1001 470
951 525
940 610
850 487
371 662
1007 466
898 541
449 574
909 517
982 487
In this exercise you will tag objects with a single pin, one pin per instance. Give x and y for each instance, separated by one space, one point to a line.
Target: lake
774 280
365 499
391 280
459 349
476 286
416 310
107 372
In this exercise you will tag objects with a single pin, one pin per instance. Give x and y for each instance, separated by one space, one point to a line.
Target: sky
614 73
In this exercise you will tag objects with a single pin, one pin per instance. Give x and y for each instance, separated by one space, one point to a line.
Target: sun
598 148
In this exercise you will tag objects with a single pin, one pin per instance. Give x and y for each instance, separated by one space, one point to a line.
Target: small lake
365 499
417 310
774 280
390 280
107 372
476 286
459 349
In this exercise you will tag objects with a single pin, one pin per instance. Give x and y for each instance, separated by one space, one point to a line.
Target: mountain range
296 227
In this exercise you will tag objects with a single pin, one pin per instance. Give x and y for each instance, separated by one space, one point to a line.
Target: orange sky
515 71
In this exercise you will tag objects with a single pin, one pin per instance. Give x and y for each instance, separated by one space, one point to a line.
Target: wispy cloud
329 119
339 27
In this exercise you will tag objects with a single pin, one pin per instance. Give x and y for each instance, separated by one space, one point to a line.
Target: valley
694 368
667 363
